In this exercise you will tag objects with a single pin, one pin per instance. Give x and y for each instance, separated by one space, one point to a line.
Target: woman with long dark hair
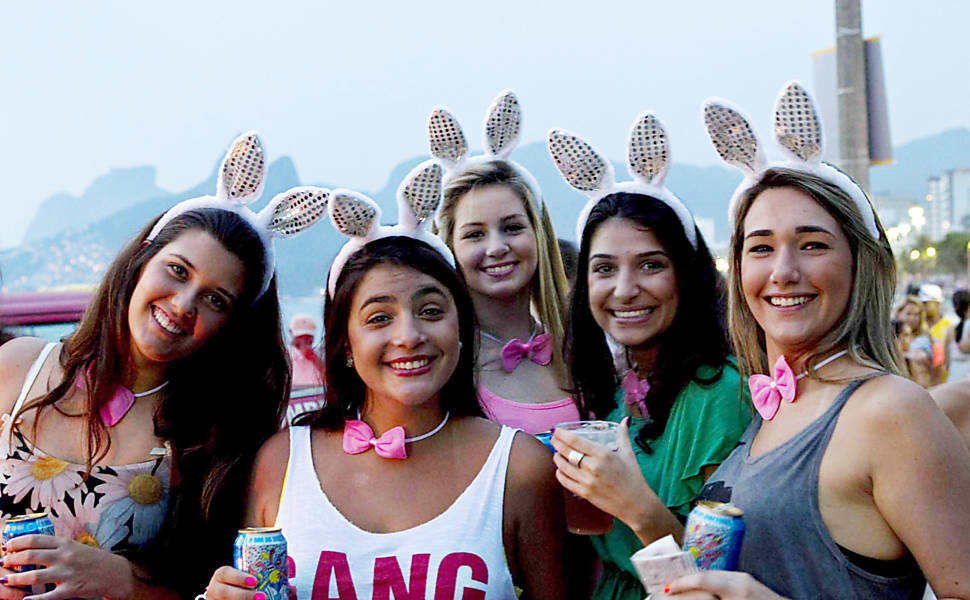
398 486
646 345
135 435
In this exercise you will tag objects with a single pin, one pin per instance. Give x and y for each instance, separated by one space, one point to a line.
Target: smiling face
184 295
796 269
494 242
633 292
403 334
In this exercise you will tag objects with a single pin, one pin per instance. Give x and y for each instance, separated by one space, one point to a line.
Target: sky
345 89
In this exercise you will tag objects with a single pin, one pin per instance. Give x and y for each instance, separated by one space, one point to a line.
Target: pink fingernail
250 581
259 596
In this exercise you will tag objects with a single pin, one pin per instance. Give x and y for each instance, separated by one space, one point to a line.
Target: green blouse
705 424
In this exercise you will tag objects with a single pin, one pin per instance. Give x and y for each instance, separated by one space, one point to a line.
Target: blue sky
345 89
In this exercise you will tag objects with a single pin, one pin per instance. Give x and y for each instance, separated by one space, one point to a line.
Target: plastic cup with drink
581 516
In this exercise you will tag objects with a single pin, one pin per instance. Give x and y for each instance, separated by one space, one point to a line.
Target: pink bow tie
538 350
766 393
359 437
635 391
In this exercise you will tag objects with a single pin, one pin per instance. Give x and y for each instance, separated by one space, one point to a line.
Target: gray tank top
786 544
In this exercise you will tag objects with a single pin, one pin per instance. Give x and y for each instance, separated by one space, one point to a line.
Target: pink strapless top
530 418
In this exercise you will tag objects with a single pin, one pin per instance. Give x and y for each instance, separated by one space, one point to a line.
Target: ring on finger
575 457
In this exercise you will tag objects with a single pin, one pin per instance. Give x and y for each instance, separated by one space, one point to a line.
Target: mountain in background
66 245
916 161
108 194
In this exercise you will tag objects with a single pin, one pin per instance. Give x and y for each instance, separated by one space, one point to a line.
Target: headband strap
358 217
592 174
798 133
240 183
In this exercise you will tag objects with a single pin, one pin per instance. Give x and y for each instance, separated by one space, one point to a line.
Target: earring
459 345
350 362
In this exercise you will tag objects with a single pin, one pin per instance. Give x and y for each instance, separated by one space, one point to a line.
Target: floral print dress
117 508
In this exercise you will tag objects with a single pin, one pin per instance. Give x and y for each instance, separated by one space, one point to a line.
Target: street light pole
850 58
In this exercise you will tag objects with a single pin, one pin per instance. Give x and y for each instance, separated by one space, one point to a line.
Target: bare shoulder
266 483
896 414
890 399
530 463
16 357
953 398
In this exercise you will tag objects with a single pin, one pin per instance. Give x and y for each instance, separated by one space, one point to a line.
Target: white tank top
457 555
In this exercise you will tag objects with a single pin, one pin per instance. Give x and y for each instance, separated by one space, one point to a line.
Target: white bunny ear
446 137
797 127
419 194
733 137
502 125
353 214
243 170
649 150
583 168
295 210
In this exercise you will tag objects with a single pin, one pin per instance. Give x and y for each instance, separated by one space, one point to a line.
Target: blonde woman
916 346
495 222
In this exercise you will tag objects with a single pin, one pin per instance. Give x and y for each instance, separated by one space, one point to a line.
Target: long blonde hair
549 290
865 328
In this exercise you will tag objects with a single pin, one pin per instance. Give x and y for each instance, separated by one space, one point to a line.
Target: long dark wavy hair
696 337
221 403
344 389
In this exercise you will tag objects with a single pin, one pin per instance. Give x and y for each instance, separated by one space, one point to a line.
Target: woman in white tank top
455 506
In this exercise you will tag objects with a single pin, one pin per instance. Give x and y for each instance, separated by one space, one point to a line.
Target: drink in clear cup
582 517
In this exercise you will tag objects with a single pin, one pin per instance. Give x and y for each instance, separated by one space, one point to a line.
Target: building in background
948 203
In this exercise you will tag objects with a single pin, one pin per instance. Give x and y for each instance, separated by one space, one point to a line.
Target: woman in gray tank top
853 483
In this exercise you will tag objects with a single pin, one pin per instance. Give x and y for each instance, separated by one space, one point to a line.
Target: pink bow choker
767 392
121 401
359 438
635 391
538 349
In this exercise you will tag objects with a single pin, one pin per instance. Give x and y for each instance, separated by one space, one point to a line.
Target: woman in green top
647 280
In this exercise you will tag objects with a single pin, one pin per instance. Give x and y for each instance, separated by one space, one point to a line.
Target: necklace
359 437
768 392
120 402
538 349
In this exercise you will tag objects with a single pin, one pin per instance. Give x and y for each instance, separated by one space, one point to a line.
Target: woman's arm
79 570
920 472
612 481
262 503
16 356
535 517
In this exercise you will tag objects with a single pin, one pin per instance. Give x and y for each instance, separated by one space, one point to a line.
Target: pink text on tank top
389 581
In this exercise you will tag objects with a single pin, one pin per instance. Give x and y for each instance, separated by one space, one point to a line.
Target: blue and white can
714 534
30 524
261 552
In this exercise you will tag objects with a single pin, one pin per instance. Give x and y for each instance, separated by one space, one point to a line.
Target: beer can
714 534
30 524
261 552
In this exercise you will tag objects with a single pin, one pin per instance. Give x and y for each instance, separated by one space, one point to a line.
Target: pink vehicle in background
50 315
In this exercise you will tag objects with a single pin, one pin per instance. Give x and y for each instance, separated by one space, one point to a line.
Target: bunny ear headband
648 163
503 124
241 179
358 217
798 132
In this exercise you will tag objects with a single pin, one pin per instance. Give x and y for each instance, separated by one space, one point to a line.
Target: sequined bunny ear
583 168
502 125
733 137
353 214
243 171
446 137
649 153
420 194
295 210
797 126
